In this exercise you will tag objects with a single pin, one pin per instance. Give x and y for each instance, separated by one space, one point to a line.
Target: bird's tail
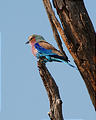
72 65
60 60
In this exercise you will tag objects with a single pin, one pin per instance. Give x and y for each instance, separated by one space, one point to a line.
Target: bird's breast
34 50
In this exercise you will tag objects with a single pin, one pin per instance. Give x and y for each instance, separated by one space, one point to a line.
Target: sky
0 71
23 94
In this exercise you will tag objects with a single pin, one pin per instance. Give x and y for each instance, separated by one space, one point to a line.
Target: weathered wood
52 91
79 37
55 32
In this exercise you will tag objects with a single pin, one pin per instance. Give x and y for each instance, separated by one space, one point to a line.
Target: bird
41 49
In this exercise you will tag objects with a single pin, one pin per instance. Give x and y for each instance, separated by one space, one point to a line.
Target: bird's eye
31 39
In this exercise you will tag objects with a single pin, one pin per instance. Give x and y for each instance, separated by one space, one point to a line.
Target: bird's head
34 39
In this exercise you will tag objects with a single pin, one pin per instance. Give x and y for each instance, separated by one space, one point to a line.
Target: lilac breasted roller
43 49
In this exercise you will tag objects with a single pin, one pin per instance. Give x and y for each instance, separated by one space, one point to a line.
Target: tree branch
79 37
52 91
55 33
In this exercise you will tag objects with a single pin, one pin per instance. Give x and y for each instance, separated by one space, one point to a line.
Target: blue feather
43 51
47 53
60 60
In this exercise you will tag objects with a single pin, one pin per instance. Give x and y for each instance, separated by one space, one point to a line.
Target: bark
78 35
52 91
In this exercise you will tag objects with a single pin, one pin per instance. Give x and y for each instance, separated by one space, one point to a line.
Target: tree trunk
78 35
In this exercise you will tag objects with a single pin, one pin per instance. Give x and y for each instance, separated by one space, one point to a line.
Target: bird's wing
42 50
45 47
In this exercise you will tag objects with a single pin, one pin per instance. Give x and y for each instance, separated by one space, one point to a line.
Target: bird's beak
27 42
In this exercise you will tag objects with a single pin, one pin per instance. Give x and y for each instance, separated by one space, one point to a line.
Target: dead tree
77 32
